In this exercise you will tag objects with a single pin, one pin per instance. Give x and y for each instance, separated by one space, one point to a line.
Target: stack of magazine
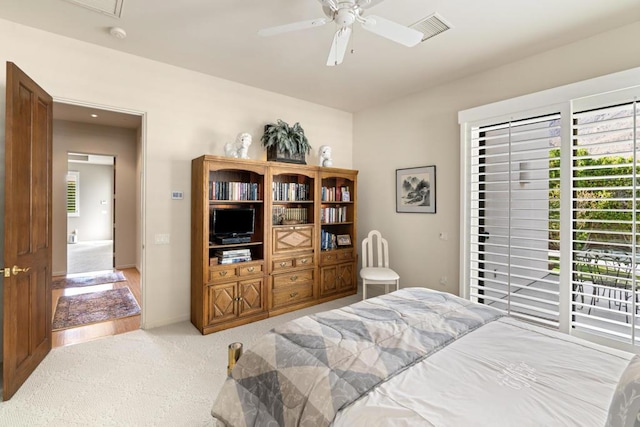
232 256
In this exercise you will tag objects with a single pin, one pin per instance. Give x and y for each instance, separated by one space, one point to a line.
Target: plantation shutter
514 217
605 234
73 208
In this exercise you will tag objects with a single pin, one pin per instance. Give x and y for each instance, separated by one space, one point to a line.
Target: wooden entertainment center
302 249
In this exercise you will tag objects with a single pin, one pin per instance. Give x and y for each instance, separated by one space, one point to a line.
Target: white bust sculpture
325 156
240 148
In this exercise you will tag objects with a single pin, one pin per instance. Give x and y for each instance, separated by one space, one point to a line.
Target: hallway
97 330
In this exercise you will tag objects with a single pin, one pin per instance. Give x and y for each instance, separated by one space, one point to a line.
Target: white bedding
506 373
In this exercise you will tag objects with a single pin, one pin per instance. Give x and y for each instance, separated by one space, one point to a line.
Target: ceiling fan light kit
345 13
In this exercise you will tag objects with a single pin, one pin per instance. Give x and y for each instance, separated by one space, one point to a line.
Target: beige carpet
167 376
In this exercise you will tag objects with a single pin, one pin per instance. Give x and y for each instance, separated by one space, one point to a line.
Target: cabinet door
292 238
345 277
220 302
328 280
251 293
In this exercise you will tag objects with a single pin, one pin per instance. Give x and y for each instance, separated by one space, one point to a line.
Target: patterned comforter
304 371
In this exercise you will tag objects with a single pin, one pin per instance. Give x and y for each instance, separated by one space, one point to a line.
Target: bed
417 357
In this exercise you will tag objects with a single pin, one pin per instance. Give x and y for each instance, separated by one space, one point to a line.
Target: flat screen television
232 221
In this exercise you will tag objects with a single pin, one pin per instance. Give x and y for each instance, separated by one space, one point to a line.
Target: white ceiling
219 37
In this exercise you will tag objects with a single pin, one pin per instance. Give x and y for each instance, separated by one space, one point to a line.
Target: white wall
187 114
422 129
95 221
104 140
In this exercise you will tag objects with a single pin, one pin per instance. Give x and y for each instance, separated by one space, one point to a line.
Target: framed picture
416 190
344 240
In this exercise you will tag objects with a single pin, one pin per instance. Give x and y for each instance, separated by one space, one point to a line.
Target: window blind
73 207
514 217
605 208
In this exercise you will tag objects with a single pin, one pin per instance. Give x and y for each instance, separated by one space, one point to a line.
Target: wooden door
221 302
27 228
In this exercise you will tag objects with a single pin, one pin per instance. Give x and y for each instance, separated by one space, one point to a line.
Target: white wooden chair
375 263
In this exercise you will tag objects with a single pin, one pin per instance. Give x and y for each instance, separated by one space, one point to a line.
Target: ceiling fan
344 13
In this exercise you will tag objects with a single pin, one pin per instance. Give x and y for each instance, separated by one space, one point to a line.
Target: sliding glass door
514 217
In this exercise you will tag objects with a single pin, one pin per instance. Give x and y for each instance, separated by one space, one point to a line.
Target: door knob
15 269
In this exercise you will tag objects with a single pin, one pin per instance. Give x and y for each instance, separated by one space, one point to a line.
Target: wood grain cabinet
301 214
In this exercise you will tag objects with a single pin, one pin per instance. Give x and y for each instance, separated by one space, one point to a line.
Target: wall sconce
525 174
520 172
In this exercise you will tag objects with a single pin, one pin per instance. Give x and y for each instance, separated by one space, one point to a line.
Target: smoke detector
118 32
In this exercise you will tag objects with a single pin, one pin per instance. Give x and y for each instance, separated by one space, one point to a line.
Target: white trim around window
594 93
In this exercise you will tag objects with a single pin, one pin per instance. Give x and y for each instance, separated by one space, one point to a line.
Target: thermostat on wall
177 195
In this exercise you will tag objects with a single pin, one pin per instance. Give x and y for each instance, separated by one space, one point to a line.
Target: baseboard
120 267
151 325
59 273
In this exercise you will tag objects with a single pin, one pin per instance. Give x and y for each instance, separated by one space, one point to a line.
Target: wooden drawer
222 273
332 257
282 264
303 261
292 294
249 270
292 238
293 278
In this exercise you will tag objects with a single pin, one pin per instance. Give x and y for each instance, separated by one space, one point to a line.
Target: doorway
97 210
90 212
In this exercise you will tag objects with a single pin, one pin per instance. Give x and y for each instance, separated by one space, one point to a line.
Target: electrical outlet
444 280
444 235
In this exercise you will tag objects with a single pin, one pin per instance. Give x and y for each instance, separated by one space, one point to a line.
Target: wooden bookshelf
288 269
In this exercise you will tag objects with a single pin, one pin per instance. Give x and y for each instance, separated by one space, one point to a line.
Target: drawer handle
303 261
329 257
238 299
283 264
293 294
250 269
223 273
294 278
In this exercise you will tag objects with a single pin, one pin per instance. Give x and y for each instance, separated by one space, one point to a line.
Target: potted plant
285 143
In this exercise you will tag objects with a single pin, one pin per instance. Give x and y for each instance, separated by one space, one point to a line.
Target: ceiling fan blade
331 4
303 25
366 4
392 31
339 46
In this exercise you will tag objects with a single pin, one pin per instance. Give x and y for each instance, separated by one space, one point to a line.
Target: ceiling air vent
111 8
431 26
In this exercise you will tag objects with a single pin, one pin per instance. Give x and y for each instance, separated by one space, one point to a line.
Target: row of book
281 214
223 190
335 194
290 191
328 240
232 256
330 215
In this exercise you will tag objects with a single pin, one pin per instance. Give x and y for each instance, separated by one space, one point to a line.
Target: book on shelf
331 215
327 240
231 190
290 191
282 214
233 260
335 194
223 254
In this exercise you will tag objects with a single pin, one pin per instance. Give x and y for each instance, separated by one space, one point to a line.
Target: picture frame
416 190
343 240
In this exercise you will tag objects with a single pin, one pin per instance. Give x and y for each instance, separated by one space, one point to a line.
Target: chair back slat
375 250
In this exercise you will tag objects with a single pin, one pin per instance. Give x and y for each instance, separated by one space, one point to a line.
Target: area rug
88 280
94 307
